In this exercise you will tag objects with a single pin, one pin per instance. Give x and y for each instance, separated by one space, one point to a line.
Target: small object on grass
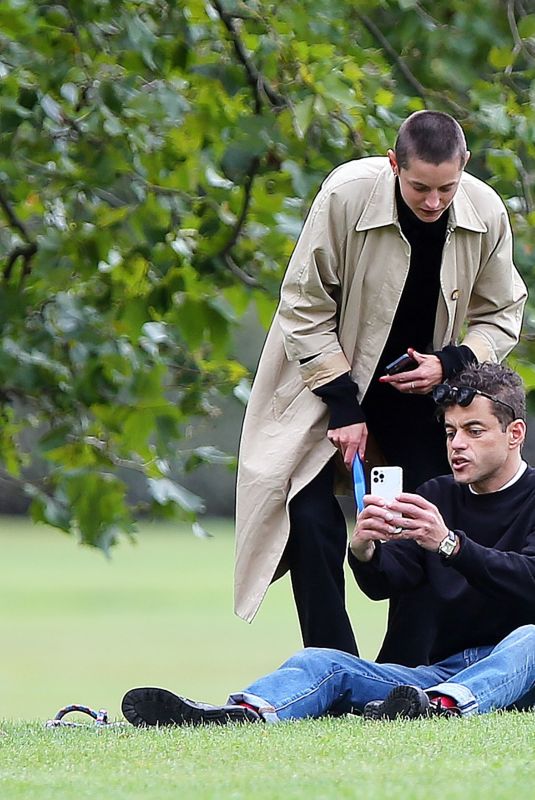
100 717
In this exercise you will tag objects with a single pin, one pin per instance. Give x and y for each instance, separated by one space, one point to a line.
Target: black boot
407 702
152 706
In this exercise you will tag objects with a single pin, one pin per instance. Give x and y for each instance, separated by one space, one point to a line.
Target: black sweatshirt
476 597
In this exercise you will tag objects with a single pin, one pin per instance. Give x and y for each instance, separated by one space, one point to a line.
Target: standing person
471 539
404 253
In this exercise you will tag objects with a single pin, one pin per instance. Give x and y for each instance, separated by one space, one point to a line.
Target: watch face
447 545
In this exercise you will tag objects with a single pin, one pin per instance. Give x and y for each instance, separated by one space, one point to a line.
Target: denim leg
503 677
320 680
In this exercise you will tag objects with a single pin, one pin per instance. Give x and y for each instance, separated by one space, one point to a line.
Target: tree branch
256 80
25 251
520 44
394 55
12 218
419 88
137 465
525 182
412 80
247 192
21 483
354 135
244 277
426 16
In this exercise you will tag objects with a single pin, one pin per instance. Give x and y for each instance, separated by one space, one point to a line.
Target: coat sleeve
507 576
310 292
395 568
494 316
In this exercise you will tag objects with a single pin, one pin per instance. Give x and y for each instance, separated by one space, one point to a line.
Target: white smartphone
386 482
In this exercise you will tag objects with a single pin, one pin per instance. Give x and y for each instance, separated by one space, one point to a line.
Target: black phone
402 364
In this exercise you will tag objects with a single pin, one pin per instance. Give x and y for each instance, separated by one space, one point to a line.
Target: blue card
359 483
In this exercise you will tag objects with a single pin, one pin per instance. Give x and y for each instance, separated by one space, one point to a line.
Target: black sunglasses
444 394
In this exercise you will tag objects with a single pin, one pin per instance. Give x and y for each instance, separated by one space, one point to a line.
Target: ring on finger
398 529
412 386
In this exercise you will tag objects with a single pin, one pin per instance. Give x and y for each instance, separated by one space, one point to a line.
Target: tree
156 163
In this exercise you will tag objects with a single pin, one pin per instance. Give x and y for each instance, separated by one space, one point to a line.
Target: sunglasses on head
444 394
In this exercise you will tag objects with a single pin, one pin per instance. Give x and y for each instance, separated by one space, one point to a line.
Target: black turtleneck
413 326
414 320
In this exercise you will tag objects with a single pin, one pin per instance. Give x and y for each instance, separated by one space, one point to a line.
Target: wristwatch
447 545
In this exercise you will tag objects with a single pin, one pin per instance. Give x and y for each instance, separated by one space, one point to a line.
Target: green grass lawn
487 758
78 628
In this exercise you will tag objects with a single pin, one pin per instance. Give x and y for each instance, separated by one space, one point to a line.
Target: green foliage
156 162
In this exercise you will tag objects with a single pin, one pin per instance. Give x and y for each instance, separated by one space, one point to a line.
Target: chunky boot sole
406 702
150 706
372 710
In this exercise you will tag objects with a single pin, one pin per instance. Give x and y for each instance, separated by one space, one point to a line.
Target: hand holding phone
404 363
387 482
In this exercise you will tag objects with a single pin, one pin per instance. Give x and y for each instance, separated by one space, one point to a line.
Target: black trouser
316 553
408 434
413 438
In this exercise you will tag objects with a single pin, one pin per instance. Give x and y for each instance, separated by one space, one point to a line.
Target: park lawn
488 757
79 628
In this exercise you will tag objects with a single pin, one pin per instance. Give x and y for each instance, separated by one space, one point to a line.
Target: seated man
471 538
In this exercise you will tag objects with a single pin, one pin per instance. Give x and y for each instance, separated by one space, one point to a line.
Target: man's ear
467 159
393 161
517 433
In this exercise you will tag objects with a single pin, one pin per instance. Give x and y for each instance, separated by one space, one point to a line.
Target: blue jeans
318 681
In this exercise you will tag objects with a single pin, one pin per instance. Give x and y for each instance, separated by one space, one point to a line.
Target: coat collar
380 210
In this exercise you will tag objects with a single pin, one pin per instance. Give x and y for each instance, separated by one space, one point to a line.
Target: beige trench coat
338 300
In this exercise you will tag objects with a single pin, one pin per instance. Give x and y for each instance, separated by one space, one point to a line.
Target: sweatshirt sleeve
395 568
508 576
454 359
340 397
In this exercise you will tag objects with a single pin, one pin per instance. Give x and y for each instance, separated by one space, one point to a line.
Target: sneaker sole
150 706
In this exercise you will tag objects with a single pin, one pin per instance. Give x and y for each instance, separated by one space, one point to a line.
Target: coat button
455 294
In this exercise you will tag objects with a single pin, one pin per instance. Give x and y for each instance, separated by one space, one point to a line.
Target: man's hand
421 380
350 440
375 523
422 521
